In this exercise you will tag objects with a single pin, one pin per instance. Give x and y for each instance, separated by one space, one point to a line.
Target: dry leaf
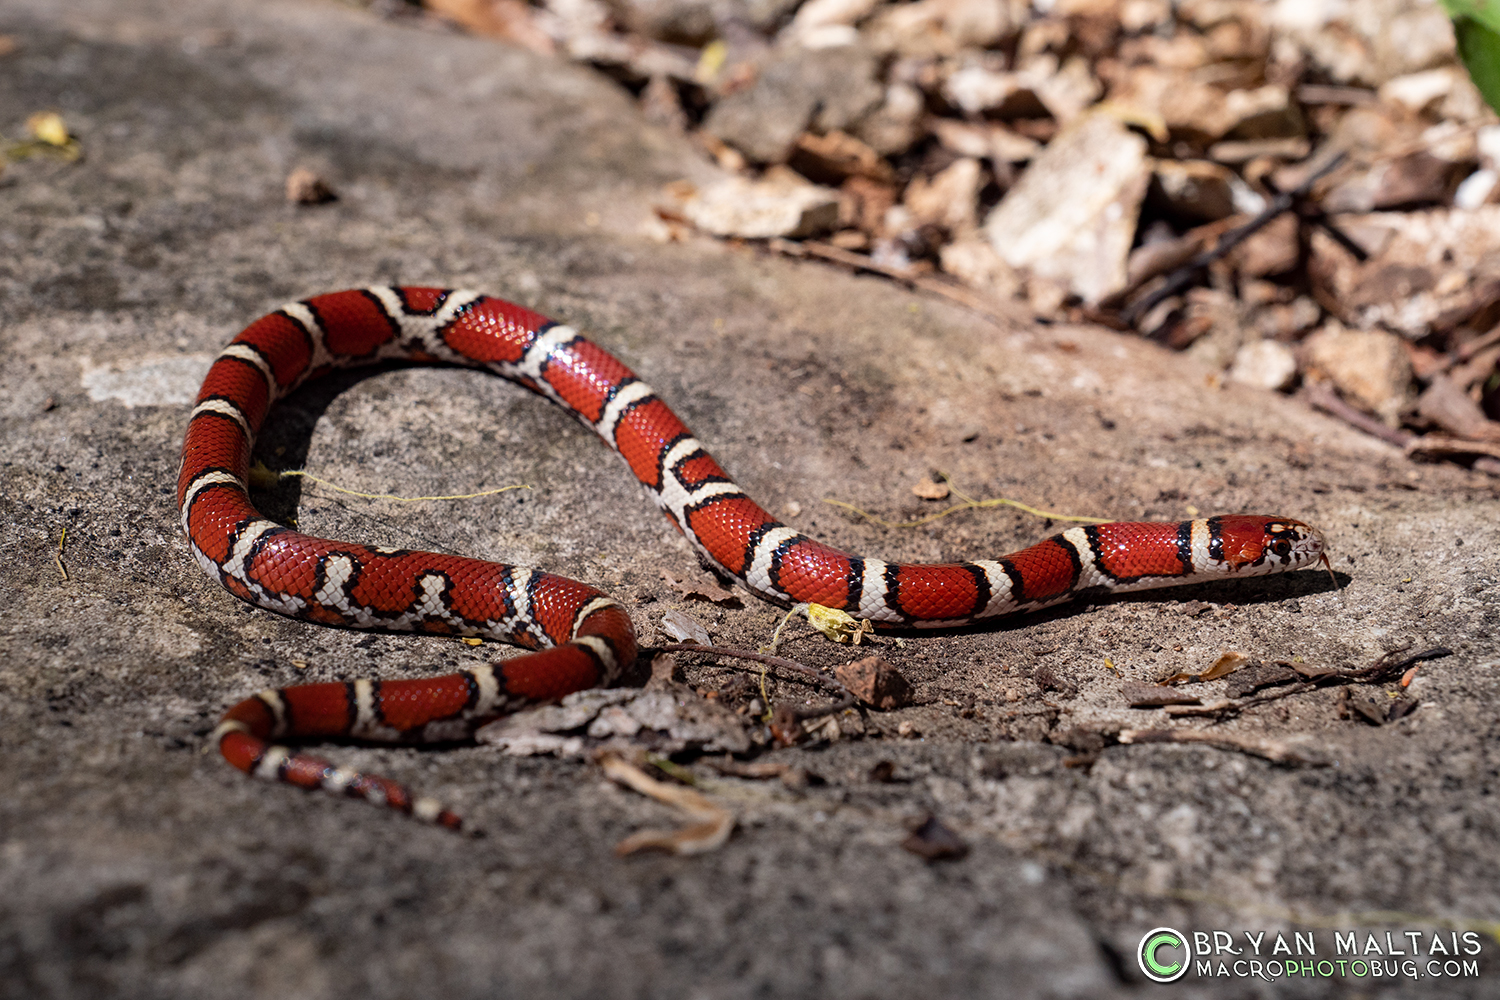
935 842
703 587
1227 663
713 823
683 627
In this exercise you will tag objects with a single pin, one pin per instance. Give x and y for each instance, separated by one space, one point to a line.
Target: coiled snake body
580 637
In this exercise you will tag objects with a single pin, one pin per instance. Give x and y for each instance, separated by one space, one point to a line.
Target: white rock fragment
1072 215
763 209
1265 364
948 198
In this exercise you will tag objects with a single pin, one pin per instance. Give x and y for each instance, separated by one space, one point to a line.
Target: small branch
811 712
1188 273
1384 669
921 280
1323 398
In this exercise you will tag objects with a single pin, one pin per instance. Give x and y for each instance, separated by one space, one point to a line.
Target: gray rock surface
131 865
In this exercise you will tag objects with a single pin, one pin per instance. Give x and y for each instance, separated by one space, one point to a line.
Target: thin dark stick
1386 668
848 701
1188 273
1323 398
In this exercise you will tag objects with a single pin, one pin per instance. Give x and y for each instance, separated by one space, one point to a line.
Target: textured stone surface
133 866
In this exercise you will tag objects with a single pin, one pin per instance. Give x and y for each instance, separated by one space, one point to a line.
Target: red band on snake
581 637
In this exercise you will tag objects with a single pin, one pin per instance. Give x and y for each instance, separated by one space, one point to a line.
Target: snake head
1290 545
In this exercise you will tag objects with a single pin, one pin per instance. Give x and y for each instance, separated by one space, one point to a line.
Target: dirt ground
132 865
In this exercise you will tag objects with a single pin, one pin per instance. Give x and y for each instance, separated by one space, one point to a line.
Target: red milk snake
581 637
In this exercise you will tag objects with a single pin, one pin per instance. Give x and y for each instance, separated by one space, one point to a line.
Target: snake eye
1282 548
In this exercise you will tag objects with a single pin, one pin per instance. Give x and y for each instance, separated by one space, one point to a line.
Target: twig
812 712
62 545
1323 398
1386 668
1468 350
1276 751
711 824
1442 444
960 294
1188 273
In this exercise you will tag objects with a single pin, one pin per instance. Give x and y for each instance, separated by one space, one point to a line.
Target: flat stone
737 206
1071 216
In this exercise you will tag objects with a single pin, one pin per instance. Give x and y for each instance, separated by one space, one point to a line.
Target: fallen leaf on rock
1227 663
1140 695
683 627
702 586
934 841
712 823
875 683
1313 673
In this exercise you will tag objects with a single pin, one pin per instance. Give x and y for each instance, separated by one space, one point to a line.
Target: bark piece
1140 695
